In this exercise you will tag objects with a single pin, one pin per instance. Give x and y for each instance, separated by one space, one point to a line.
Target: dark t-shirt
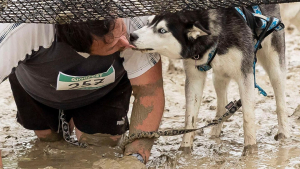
80 77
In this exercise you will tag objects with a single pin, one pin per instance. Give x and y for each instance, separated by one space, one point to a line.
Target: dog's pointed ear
197 30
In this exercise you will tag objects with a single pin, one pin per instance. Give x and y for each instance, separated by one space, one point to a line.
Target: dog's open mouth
143 50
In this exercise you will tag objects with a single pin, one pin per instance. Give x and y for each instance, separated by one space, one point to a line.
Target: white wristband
139 157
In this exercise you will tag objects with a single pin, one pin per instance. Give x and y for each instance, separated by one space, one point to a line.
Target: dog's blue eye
161 30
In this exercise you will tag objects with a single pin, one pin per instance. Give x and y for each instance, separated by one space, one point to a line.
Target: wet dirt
21 149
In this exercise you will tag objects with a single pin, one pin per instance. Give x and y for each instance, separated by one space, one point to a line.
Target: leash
232 107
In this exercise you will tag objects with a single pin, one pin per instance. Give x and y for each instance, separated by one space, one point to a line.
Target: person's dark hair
79 35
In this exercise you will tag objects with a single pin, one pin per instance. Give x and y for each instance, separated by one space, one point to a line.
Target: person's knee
48 135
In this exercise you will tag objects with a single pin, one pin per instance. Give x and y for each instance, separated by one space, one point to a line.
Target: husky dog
193 35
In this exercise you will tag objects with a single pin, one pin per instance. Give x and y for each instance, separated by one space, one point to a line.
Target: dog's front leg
246 89
221 85
194 85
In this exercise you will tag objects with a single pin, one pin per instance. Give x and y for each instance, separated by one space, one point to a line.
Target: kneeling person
83 74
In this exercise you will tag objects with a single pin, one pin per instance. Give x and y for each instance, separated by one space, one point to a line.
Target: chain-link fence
64 11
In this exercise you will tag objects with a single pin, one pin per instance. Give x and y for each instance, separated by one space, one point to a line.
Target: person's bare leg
51 136
48 135
71 125
98 139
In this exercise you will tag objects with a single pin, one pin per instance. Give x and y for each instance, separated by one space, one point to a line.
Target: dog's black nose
133 37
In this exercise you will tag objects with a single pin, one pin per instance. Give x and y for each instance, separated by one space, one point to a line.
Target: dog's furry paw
280 136
214 136
215 132
185 150
250 149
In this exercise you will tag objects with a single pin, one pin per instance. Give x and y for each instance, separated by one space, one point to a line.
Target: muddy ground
21 149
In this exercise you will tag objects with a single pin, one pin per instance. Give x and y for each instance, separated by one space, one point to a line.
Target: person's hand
127 162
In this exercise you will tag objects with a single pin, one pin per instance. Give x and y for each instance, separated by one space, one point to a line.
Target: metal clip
197 57
232 107
229 105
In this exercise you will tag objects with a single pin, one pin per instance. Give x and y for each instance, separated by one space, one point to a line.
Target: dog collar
205 67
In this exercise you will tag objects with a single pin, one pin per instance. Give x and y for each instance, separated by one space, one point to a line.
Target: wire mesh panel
65 11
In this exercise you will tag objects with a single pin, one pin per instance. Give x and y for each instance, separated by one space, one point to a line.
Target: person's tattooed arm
147 110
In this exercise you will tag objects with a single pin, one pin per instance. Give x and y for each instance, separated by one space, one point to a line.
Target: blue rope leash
261 91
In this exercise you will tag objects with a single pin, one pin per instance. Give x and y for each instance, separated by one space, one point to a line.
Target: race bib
91 82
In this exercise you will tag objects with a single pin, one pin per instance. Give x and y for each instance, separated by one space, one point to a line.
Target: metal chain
232 107
66 131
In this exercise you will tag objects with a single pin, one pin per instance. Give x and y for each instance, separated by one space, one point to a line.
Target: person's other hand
127 162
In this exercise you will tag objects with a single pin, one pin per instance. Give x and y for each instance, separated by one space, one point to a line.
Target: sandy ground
21 149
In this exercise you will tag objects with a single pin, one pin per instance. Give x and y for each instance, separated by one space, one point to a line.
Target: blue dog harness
254 20
268 25
205 67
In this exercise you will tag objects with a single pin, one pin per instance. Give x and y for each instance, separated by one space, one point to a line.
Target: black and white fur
187 34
